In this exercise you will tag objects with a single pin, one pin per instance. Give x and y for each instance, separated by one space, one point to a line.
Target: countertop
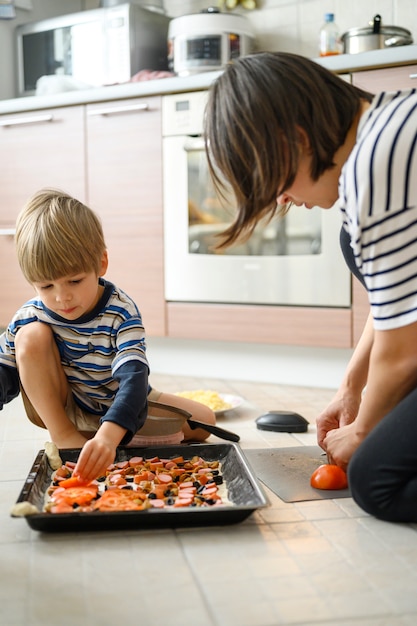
343 63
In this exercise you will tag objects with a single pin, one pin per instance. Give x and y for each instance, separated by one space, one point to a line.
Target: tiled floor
322 562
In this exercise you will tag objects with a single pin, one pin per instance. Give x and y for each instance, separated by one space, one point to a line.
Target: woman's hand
341 411
340 444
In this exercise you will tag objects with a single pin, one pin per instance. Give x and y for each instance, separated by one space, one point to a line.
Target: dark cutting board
287 471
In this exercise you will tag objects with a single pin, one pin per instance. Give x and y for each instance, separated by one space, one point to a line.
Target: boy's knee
32 338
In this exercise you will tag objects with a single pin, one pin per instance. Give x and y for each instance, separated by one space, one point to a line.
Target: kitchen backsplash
293 25
288 25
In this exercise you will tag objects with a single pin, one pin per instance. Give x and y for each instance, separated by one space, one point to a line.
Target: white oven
291 261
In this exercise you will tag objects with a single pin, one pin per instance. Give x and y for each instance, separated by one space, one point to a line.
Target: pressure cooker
206 41
375 37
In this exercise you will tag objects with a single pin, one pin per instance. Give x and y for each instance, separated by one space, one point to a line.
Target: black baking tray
243 491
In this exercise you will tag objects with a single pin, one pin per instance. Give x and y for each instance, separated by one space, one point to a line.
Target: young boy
77 351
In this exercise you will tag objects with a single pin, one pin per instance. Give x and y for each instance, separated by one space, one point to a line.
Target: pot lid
210 21
377 28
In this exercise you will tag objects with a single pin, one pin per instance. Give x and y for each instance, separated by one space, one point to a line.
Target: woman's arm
345 405
392 375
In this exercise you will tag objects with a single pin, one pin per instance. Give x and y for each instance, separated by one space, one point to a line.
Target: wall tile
293 25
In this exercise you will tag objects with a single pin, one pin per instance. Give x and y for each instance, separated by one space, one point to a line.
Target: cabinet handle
123 109
7 232
35 119
413 76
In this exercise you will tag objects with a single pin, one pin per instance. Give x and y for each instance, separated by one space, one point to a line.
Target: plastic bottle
329 42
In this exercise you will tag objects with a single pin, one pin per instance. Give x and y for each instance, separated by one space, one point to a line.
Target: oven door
294 260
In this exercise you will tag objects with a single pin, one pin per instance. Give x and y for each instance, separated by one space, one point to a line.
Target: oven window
298 233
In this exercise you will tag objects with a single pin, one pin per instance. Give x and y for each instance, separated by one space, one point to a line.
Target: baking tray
243 491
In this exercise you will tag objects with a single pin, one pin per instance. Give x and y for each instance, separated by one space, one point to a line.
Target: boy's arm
122 420
9 384
130 406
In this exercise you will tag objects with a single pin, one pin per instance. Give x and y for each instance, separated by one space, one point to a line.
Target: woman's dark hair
252 121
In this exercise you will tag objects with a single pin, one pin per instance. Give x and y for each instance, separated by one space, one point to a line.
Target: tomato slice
329 476
74 481
75 495
61 507
120 500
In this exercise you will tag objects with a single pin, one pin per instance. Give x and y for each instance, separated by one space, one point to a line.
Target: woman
282 131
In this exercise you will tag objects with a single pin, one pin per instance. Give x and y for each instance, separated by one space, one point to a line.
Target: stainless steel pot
375 37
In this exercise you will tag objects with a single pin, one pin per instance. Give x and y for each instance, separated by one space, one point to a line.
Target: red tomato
74 481
329 477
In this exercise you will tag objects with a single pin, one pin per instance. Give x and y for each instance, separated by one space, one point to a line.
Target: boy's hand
99 452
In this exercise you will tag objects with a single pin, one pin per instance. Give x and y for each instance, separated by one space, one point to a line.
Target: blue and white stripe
91 349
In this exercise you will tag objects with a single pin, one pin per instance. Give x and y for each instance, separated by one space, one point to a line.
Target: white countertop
402 55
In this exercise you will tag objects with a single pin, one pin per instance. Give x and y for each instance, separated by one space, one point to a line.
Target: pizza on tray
137 484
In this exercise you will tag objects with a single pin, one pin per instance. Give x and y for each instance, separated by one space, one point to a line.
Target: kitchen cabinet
108 155
296 326
37 149
124 180
386 79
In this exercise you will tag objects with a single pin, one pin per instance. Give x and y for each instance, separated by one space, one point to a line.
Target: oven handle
194 144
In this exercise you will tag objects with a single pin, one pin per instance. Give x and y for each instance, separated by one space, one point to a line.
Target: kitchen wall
289 25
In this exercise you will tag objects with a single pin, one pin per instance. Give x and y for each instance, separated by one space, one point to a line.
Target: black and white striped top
378 199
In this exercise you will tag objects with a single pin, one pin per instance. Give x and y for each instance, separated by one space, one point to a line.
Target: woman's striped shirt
378 199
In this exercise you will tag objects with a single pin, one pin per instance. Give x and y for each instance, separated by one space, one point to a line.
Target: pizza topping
138 484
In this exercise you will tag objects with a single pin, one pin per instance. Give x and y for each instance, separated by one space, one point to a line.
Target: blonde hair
56 236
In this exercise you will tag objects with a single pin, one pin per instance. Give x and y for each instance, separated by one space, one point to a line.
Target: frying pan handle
168 407
214 430
193 424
